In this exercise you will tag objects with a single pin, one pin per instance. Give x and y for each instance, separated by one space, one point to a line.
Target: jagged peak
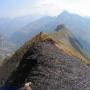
60 27
64 30
64 13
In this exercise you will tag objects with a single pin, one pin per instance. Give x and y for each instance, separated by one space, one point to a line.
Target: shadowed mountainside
49 68
9 65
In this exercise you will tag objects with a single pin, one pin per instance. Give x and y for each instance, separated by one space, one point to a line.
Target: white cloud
54 7
48 7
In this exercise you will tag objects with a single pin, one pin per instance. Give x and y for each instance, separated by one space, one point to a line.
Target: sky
17 8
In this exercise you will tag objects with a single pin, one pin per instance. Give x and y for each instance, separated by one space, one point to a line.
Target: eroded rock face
48 68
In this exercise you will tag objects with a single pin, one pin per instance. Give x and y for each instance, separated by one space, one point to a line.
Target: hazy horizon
18 8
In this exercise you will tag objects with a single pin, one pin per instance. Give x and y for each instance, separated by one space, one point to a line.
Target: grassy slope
63 42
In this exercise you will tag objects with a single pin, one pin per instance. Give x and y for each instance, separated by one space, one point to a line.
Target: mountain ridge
14 61
43 63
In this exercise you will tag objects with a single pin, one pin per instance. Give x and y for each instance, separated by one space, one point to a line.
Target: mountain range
21 29
31 25
8 26
79 26
75 23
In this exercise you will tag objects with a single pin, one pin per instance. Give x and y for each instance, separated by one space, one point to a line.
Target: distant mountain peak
60 27
64 13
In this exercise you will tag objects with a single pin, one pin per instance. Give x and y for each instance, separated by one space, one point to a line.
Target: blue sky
15 8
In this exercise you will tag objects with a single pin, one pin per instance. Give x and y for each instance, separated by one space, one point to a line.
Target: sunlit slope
66 41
